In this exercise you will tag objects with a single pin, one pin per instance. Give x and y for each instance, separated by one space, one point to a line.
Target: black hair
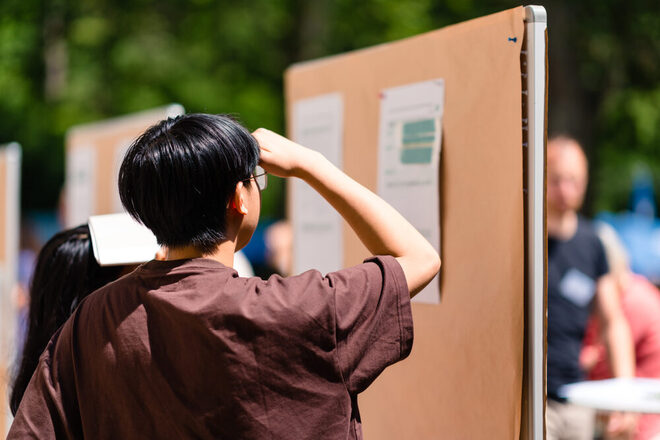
178 177
66 272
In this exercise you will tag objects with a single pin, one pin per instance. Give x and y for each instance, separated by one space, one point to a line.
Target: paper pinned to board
80 184
317 227
409 158
117 239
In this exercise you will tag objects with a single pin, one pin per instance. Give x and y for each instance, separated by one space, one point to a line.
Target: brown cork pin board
464 377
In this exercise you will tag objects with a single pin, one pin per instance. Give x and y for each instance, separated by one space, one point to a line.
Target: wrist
308 162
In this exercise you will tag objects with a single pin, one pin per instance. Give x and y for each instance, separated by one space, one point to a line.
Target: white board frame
534 102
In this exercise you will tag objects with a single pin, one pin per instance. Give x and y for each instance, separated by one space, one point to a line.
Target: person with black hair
185 348
65 273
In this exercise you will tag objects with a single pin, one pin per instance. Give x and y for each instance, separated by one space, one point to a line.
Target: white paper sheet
408 160
117 239
317 227
80 184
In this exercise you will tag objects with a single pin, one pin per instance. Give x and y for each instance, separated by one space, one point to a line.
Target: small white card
577 287
117 239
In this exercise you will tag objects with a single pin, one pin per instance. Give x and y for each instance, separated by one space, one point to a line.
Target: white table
638 395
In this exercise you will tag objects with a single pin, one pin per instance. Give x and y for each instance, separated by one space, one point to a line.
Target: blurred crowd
603 318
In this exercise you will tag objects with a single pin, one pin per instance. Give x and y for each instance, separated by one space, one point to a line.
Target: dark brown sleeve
373 319
41 413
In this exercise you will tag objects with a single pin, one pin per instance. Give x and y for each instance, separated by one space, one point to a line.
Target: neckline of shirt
203 262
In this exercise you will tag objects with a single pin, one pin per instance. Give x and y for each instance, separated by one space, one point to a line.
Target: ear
238 202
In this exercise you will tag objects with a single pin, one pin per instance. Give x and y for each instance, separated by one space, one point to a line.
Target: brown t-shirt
187 349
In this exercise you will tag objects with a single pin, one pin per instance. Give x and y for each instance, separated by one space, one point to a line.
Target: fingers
266 138
269 143
283 157
269 140
277 153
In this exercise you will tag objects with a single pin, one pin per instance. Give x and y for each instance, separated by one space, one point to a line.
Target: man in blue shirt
576 265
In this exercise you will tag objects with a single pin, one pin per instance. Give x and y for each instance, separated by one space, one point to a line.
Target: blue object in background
642 196
255 250
641 236
639 229
44 225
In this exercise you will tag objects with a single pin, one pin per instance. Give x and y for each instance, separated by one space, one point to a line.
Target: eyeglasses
260 176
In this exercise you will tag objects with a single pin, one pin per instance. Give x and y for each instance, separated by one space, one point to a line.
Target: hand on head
278 155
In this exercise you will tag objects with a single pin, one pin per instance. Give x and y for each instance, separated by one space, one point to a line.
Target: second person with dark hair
66 272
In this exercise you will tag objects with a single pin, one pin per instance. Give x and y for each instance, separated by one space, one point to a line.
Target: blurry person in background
65 273
641 305
279 247
29 248
576 285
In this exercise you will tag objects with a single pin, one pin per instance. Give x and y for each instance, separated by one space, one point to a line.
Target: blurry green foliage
64 62
620 72
629 141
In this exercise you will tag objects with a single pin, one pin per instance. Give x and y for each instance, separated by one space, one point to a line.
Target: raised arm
614 328
379 226
618 340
